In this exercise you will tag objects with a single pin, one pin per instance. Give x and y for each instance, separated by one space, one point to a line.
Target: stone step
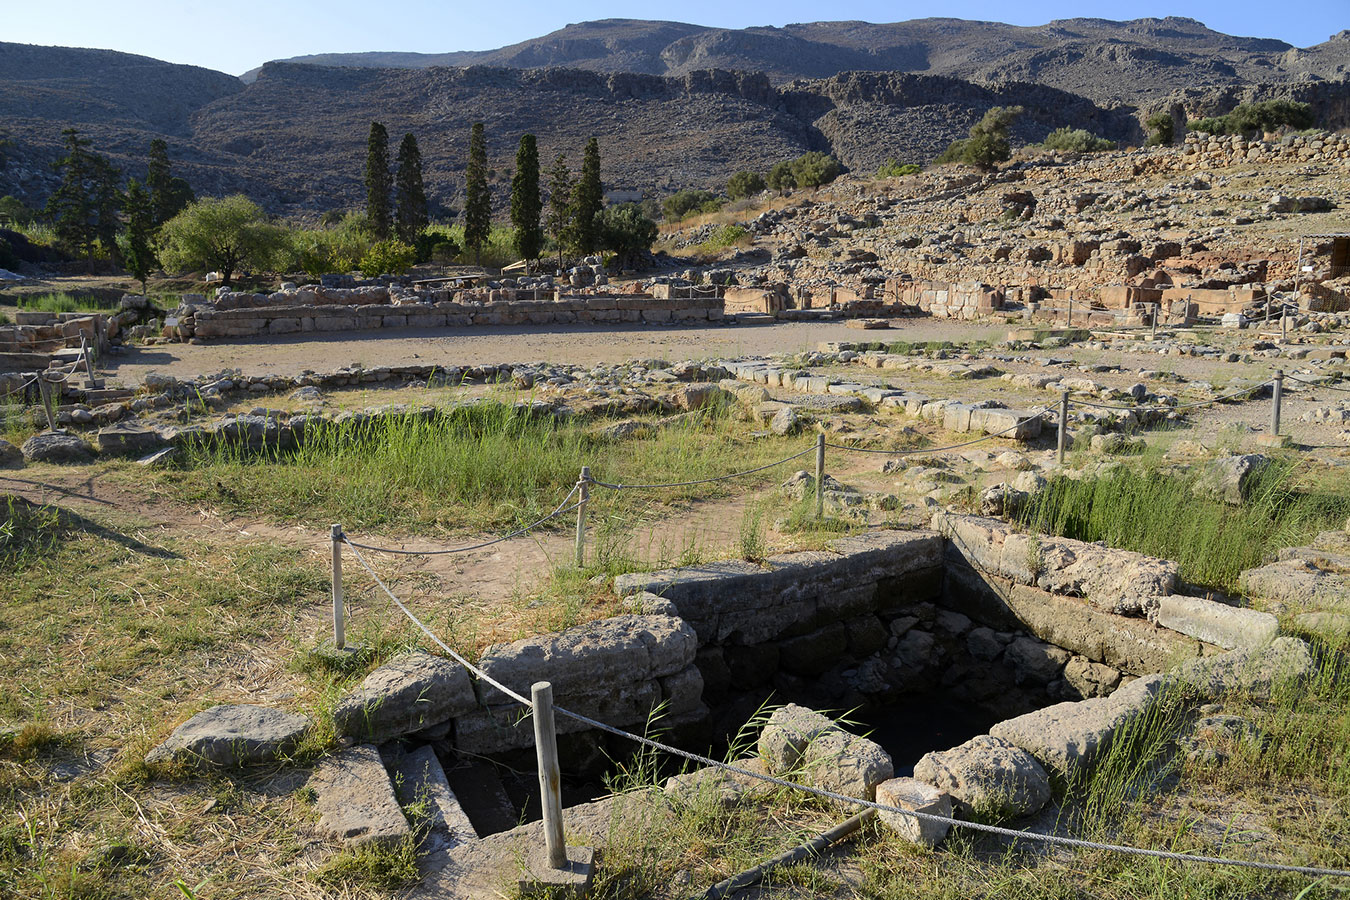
483 798
418 778
101 395
355 799
754 319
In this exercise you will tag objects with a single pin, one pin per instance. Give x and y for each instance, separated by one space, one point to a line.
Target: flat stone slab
125 440
232 735
987 776
1067 737
407 694
1299 585
572 880
355 799
419 778
1216 623
1251 670
57 447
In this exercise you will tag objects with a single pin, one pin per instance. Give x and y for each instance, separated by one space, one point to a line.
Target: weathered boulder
707 785
1214 738
232 735
1230 478
1215 623
1118 581
1035 661
785 421
846 764
355 799
11 457
1089 679
786 735
1297 584
406 694
128 440
908 793
987 776
1067 737
57 447
1252 670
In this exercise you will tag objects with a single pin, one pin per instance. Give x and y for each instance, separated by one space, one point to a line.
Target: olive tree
224 235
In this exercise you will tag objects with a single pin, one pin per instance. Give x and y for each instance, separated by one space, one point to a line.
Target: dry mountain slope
1101 59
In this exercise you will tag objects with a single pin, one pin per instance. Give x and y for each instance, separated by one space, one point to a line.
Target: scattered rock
57 447
987 777
232 736
908 793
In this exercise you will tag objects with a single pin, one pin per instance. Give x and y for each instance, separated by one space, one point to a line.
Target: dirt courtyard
571 345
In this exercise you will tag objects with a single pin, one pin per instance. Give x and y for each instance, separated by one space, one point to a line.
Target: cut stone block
355 799
406 694
907 793
1216 623
987 776
1252 670
846 764
418 777
232 735
786 735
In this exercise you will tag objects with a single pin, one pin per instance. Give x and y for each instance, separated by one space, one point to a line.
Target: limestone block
1253 670
57 447
784 738
126 440
987 776
846 764
1216 623
232 735
907 793
1035 661
406 694
419 778
355 799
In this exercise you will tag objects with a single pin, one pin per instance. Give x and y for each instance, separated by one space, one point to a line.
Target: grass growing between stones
486 466
1154 510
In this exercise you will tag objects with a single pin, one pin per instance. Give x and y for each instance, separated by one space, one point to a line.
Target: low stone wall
257 321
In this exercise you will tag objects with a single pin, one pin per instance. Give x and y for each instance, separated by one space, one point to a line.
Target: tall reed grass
486 465
1153 509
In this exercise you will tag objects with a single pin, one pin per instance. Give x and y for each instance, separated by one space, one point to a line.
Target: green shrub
1076 140
744 184
1266 115
814 168
726 236
892 169
391 257
781 177
689 202
626 231
987 144
1162 129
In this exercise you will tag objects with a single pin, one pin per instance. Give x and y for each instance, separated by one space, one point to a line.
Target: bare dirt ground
508 344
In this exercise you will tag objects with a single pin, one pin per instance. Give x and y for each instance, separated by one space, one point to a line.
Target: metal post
550 788
584 492
339 614
1278 395
48 405
820 475
1063 423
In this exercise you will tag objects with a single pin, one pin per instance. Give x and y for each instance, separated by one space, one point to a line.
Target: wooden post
48 405
550 787
1070 318
1278 396
820 475
584 492
1284 324
1153 324
339 613
84 354
1063 423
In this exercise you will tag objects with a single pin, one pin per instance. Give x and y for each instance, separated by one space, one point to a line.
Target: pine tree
410 196
477 200
137 252
378 181
559 203
526 204
168 195
70 207
587 199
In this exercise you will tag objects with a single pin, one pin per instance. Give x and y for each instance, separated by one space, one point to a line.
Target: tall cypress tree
410 196
168 195
70 207
559 203
137 252
477 200
587 199
106 199
378 182
526 204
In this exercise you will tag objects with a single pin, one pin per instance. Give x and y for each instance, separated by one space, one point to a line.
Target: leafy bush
1162 129
1076 140
1267 115
892 169
391 257
987 144
726 236
688 202
319 251
626 231
781 177
225 235
744 184
436 247
814 168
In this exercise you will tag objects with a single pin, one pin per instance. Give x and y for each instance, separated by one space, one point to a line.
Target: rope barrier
562 508
622 487
923 450
1317 384
838 797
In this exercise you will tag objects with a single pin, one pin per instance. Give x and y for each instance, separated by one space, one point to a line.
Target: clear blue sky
237 36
